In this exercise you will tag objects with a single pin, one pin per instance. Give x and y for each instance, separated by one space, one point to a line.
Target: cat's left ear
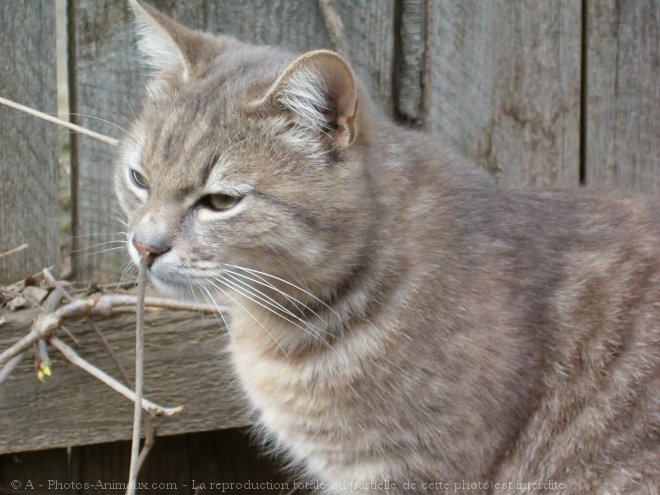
320 89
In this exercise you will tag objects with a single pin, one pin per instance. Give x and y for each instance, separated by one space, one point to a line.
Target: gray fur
442 330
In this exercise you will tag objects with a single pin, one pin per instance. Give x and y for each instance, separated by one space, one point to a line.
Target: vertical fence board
109 83
28 147
623 94
412 24
505 86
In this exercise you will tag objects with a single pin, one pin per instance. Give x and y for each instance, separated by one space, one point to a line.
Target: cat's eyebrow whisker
252 316
272 304
262 281
101 120
309 330
251 270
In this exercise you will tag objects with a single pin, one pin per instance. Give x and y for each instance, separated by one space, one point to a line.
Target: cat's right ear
168 47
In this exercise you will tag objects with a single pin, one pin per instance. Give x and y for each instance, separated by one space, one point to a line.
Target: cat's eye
220 202
139 179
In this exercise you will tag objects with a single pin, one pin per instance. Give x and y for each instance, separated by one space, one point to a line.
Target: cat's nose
152 251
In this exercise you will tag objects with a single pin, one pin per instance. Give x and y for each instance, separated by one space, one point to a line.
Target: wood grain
186 463
109 84
505 87
29 202
623 94
410 62
185 364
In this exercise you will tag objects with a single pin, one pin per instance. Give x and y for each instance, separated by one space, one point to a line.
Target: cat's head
243 156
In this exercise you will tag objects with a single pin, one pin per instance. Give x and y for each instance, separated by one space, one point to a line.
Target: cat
399 323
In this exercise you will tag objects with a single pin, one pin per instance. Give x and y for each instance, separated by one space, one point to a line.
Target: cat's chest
313 407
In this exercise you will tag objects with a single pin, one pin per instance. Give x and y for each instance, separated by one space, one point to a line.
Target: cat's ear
319 88
164 42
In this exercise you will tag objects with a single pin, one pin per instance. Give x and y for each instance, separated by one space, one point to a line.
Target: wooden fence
538 92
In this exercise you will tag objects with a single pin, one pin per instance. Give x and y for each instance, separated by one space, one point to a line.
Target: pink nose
151 251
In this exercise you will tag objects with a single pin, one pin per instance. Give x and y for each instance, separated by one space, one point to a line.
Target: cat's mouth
168 281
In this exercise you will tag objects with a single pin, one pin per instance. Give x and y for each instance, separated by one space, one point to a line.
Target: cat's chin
170 288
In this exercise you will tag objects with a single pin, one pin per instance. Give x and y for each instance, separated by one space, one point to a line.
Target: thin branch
149 430
56 284
105 306
15 250
55 120
116 300
139 376
11 365
73 357
42 361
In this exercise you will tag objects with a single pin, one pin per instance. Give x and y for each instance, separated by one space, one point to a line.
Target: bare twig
335 27
149 430
15 250
105 306
56 284
150 407
11 365
139 376
42 361
55 120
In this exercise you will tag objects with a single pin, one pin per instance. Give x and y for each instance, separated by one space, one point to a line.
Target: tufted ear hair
169 48
320 91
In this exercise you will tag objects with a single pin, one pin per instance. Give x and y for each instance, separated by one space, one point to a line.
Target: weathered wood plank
623 94
505 86
411 60
185 364
109 82
188 464
29 203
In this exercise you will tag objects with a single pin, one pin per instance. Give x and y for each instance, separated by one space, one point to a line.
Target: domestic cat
399 323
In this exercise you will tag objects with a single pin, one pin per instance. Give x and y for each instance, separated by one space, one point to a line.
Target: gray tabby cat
399 323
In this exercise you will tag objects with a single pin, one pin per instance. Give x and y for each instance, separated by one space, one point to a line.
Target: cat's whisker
251 316
211 300
127 268
119 217
94 253
117 126
310 330
98 234
252 270
242 280
272 306
87 248
262 281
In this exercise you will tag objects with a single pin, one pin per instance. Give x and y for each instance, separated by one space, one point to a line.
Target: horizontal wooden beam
185 364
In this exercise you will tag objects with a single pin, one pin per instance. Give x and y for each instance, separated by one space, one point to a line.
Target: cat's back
596 425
